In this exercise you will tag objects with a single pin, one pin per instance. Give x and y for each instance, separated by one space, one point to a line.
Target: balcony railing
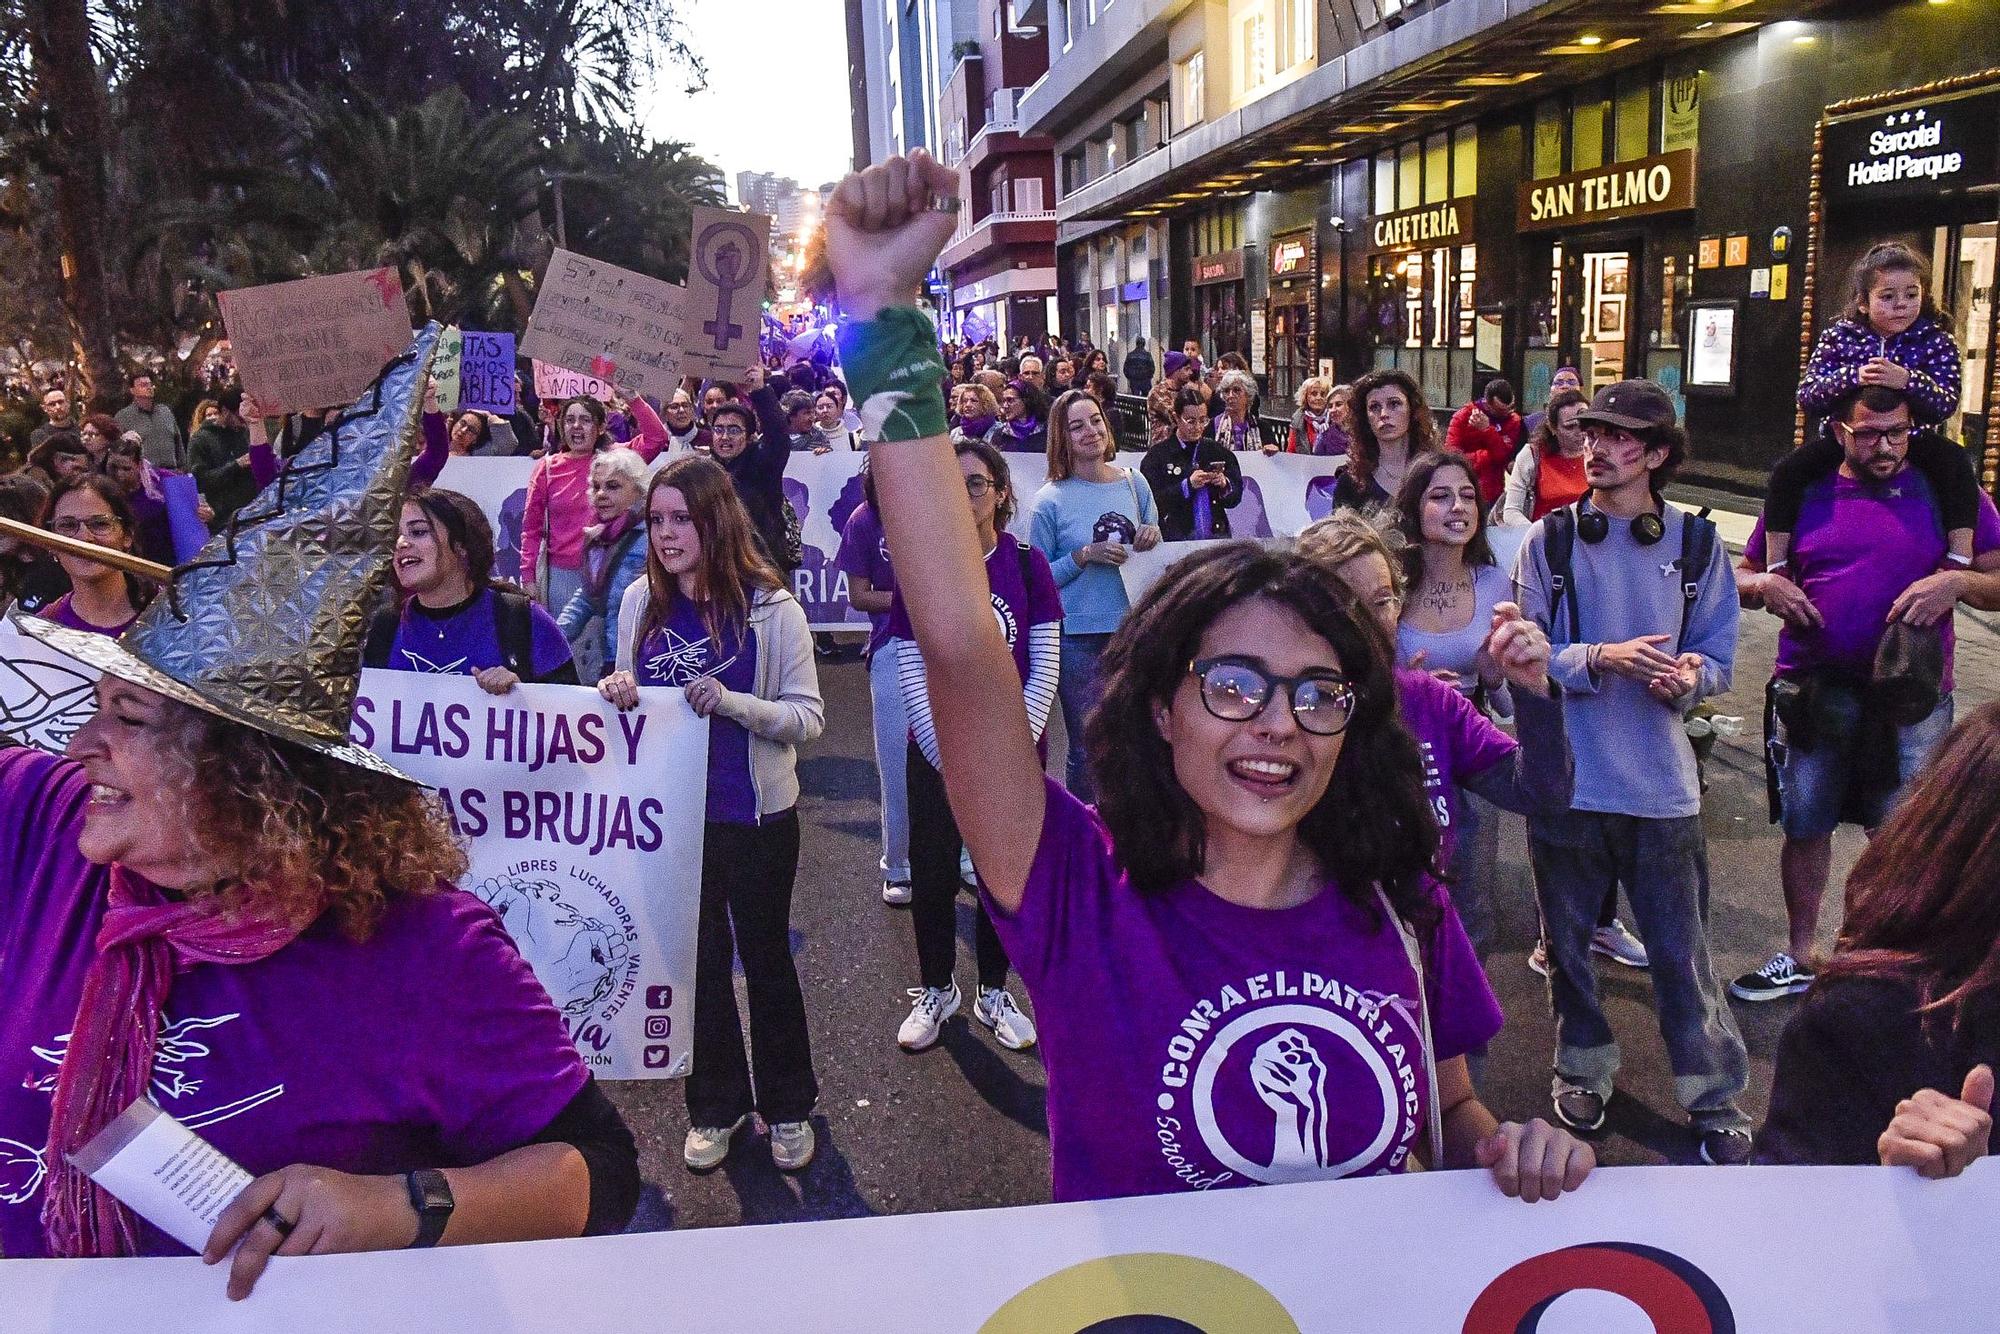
966 226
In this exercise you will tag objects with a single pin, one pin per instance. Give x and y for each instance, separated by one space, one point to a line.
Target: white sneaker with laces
933 1006
1538 959
896 893
1619 945
1781 975
995 1008
707 1146
792 1145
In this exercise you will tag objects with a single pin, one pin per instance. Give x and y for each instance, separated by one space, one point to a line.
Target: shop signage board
1662 183
1290 255
1915 149
1434 224
1223 267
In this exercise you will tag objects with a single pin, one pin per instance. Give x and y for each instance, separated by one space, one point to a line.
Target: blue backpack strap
1698 543
1559 546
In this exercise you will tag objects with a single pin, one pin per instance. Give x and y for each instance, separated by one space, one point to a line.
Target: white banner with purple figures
1282 493
584 826
1638 1250
45 696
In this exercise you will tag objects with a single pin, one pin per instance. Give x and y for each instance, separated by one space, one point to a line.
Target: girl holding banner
1244 969
713 620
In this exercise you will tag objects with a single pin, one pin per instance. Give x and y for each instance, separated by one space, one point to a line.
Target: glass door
1965 272
1603 319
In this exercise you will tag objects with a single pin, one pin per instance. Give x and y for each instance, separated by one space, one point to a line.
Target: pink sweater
558 500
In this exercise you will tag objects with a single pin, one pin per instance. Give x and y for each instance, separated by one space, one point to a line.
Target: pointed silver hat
264 627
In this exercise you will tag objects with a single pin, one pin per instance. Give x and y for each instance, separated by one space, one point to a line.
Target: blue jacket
580 609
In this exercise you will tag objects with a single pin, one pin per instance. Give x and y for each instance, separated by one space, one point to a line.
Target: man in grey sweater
1638 640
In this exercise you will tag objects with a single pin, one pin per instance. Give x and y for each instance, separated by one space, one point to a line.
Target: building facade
1670 190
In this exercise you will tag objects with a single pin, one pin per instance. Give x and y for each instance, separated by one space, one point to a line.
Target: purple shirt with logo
462 640
1858 545
429 1045
1456 741
681 652
864 553
1192 1043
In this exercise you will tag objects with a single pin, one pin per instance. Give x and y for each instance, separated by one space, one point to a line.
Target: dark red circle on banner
1675 1295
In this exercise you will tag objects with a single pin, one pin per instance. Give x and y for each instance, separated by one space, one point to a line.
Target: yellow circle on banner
1140 1294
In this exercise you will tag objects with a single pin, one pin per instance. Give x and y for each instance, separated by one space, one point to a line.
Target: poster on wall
1712 347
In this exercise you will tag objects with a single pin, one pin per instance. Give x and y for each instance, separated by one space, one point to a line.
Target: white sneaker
1538 959
995 1008
933 1006
1614 942
792 1145
896 893
707 1146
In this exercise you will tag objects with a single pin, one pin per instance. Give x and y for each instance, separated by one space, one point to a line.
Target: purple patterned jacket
1925 349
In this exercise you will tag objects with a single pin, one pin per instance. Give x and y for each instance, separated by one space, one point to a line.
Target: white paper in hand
164 1172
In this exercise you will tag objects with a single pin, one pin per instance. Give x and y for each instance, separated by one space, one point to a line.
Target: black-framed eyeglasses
1237 689
1896 436
727 432
977 486
97 525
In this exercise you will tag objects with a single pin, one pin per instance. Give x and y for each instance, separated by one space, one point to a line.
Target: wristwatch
430 1196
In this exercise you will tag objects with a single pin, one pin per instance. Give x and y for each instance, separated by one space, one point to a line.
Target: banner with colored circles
1664 1250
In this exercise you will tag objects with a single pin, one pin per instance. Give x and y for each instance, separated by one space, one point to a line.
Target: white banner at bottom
1697 1250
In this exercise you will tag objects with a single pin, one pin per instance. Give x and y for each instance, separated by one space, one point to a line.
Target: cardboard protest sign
553 384
728 258
486 373
609 322
315 342
584 826
445 367
1637 1248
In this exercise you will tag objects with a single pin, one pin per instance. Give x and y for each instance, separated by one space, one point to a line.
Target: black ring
277 1220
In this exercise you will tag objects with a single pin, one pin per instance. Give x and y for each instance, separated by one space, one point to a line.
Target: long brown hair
1365 451
733 568
1061 465
1409 510
1926 893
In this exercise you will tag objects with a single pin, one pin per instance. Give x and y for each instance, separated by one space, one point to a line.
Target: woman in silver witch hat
221 905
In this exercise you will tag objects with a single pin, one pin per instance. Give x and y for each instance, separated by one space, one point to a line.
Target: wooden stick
72 546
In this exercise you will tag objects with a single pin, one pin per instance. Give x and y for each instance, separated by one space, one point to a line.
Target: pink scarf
144 940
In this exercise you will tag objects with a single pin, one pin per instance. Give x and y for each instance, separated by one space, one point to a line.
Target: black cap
1633 405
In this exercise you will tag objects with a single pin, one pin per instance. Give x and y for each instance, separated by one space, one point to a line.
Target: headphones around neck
1593 527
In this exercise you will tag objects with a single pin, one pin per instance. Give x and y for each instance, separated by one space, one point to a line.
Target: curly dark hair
1366 451
303 833
1373 825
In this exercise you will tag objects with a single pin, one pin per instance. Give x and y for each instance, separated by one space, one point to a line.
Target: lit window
1193 80
1256 56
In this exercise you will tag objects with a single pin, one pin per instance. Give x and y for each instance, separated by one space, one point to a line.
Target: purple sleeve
899 626
1476 744
858 540
501 1063
41 803
1067 895
424 469
1465 1014
551 650
1753 550
1044 603
1934 375
263 463
1832 370
1986 534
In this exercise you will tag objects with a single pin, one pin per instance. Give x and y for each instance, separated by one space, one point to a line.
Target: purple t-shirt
63 612
430 1045
1017 603
1194 1043
462 640
864 552
1857 546
1456 741
681 652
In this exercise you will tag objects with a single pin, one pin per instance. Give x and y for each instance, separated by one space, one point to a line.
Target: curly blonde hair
303 834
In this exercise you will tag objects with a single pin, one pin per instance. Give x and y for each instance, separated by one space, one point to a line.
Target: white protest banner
45 696
1636 1250
584 826
553 384
609 322
729 254
315 342
1142 568
486 372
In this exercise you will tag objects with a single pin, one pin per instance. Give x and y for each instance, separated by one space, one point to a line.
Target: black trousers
747 874
934 848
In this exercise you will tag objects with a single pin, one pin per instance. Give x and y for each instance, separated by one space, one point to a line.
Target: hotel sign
1225 267
1916 149
1663 183
1434 224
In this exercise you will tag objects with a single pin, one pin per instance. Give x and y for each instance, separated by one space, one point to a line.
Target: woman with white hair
614 555
1315 414
1238 428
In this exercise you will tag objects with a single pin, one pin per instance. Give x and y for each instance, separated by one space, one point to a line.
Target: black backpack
1698 543
512 614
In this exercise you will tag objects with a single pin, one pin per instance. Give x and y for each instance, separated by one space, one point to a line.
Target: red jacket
1490 448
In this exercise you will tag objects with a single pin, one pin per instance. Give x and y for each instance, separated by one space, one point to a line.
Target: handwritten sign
728 258
486 372
315 342
584 826
445 367
553 384
609 322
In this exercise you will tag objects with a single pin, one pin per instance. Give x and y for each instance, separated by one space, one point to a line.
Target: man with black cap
219 457
1861 692
1640 608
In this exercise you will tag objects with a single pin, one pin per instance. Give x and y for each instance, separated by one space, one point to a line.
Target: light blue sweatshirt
1632 755
1073 513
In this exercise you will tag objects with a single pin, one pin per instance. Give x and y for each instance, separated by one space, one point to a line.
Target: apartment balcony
1001 133
1014 226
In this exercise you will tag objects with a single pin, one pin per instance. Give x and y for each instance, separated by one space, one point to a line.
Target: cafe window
1586 137
1441 167
1548 141
1409 176
1633 135
1385 183
1423 299
1464 161
1437 168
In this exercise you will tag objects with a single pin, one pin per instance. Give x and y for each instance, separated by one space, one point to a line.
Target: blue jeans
1663 865
892 739
1078 688
1812 784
